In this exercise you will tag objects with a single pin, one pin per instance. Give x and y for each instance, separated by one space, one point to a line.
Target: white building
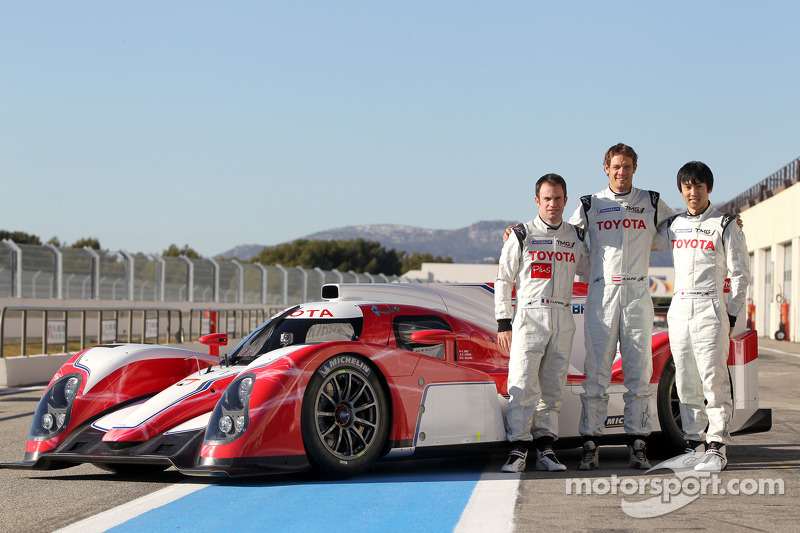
770 211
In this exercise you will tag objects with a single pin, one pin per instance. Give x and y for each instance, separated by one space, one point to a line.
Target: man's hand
504 340
509 229
739 221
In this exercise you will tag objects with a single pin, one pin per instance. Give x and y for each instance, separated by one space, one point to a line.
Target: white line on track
772 350
122 513
491 506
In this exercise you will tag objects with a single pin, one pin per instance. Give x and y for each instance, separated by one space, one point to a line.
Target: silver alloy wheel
346 414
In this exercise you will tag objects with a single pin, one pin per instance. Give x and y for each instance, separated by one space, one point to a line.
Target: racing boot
638 455
590 458
516 459
547 460
714 460
692 455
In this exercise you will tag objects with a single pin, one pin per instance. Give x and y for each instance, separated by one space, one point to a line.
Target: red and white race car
373 371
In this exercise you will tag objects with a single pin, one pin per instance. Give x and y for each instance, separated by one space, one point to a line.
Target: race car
371 372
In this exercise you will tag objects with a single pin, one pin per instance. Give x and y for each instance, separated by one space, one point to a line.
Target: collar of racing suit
703 214
550 226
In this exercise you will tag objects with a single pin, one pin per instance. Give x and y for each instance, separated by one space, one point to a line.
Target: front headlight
231 416
71 388
245 386
52 413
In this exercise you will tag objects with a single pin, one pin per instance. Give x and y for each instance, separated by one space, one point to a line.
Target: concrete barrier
30 369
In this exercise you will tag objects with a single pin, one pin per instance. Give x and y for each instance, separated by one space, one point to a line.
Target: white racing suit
620 233
542 261
711 260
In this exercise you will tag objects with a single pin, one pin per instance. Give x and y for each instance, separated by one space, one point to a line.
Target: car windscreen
287 331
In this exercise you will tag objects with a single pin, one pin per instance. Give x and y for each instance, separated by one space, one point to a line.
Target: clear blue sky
214 124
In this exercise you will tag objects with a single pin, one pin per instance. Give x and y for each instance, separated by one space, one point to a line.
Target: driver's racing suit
542 260
620 233
712 273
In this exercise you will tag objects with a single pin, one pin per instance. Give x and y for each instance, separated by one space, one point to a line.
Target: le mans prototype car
371 372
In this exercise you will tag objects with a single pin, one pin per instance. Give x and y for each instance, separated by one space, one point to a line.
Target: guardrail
98 325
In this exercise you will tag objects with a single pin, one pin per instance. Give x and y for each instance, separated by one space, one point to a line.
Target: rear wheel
345 416
669 411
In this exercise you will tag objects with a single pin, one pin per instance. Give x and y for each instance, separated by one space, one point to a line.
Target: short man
710 256
620 224
542 261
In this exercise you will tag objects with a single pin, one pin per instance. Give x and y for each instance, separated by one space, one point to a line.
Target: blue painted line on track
399 502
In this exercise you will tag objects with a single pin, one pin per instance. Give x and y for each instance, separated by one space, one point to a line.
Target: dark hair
695 172
620 149
553 180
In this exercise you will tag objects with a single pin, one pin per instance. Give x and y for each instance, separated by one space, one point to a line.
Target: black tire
345 417
132 470
780 335
669 413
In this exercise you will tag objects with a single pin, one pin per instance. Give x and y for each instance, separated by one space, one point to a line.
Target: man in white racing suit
542 261
620 224
712 273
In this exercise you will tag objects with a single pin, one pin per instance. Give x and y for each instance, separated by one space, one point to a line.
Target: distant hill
478 243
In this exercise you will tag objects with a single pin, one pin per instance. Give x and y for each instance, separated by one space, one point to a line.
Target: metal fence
30 271
36 330
26 330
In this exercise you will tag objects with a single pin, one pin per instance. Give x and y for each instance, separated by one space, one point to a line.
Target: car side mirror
214 341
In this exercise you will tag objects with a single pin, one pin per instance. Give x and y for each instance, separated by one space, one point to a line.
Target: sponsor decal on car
340 360
312 313
615 421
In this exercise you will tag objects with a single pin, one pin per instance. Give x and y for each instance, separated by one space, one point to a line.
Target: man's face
620 172
696 196
551 201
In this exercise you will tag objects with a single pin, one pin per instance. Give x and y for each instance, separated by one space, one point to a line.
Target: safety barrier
72 329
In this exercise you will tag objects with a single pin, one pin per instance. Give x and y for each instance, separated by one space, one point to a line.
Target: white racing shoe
516 460
687 460
714 459
547 460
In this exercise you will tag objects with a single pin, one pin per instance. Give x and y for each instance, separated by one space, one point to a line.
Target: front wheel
669 410
345 416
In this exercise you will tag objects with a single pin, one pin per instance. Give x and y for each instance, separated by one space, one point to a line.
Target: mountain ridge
478 243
